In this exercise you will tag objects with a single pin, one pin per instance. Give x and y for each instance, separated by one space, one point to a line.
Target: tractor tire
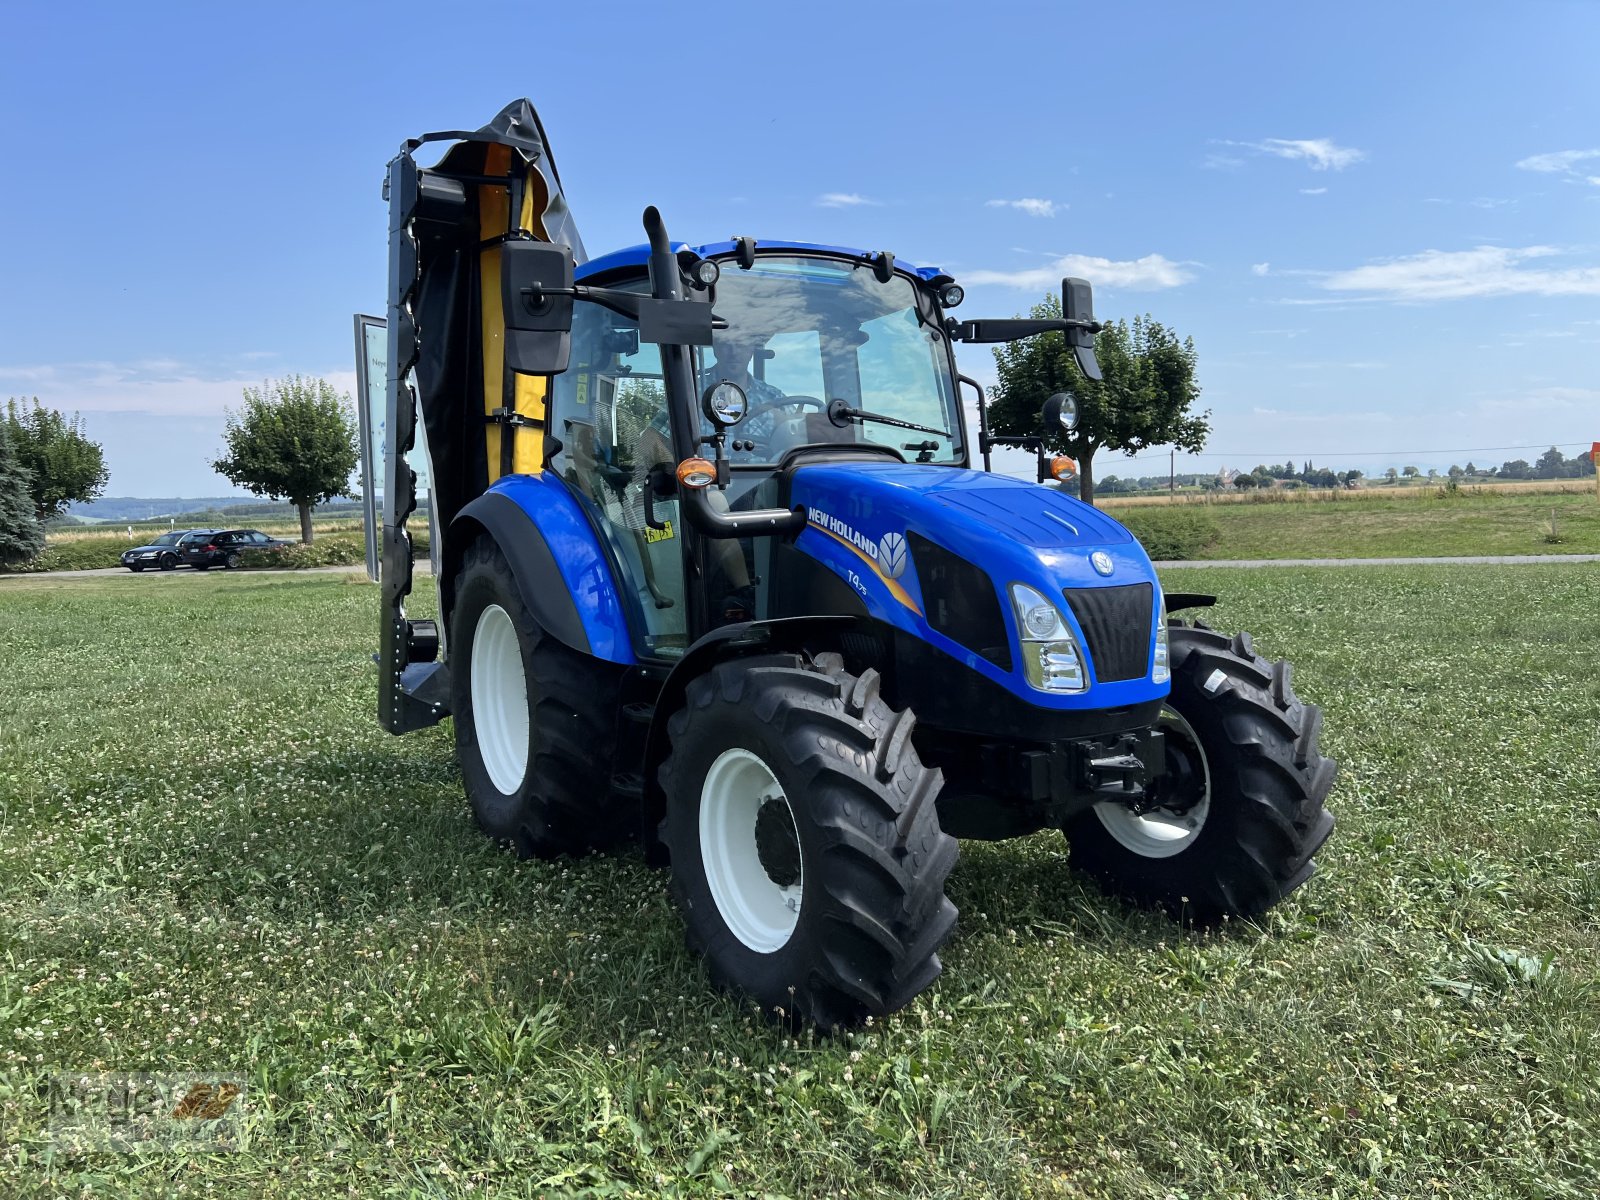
535 722
807 857
1241 810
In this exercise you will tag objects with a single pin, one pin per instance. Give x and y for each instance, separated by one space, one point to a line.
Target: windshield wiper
841 414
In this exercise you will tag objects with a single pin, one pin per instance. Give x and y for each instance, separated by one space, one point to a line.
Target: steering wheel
784 402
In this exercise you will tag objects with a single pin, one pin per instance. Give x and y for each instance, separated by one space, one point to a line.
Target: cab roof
639 256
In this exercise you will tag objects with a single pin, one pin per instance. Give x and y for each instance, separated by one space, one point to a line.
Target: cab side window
609 412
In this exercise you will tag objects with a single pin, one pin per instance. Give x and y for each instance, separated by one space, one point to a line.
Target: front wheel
1230 828
807 857
168 562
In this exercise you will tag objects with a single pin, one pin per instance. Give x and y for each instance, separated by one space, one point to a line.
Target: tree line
1146 398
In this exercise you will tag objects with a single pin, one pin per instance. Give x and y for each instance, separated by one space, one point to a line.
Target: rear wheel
231 561
534 721
807 856
1230 829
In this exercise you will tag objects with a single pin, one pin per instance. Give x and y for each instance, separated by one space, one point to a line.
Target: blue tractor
718 573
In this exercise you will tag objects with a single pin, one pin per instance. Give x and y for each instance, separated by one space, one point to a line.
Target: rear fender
562 571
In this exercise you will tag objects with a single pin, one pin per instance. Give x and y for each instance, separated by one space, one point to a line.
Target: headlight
1051 660
1161 662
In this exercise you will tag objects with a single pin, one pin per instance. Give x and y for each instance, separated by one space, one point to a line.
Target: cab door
609 414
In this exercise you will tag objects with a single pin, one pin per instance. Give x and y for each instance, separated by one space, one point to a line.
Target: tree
1456 472
1517 468
1410 472
1244 482
21 536
1551 465
1144 399
295 440
64 467
1391 474
1470 469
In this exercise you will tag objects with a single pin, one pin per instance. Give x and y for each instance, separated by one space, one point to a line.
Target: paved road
422 568
1487 559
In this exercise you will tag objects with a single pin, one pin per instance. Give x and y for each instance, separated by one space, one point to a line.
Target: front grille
1117 623
961 600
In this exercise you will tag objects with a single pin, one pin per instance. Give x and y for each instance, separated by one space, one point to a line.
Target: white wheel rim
1160 833
500 699
760 911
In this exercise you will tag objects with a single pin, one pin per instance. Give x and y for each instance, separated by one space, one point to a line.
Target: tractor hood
925 548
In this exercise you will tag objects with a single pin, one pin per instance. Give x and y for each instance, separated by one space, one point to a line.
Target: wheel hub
1182 785
1169 816
777 843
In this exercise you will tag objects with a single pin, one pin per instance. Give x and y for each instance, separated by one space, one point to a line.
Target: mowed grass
1377 524
212 859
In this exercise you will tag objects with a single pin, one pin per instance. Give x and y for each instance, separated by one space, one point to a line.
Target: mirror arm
1011 330
984 440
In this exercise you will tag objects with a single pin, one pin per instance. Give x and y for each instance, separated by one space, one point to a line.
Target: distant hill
140 508
113 510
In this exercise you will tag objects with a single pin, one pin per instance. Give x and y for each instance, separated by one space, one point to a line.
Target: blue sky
1380 225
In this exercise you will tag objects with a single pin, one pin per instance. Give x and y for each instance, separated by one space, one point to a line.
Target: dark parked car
166 551
223 546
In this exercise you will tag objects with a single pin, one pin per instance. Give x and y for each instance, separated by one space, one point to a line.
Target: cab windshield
804 332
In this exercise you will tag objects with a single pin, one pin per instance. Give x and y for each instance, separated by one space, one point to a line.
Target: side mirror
1060 412
536 296
1077 304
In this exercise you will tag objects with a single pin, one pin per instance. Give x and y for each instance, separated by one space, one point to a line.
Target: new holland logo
892 555
1102 562
887 554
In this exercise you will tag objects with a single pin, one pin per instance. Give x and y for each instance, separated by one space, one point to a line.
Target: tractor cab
814 356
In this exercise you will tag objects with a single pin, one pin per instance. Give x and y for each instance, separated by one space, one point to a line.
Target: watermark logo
133 1111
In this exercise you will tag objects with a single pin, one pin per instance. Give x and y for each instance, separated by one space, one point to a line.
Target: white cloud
1028 204
1261 268
1320 154
1560 162
162 387
1153 272
844 200
1312 191
1454 274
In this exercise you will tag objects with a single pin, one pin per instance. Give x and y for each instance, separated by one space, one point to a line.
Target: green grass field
1369 524
212 859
